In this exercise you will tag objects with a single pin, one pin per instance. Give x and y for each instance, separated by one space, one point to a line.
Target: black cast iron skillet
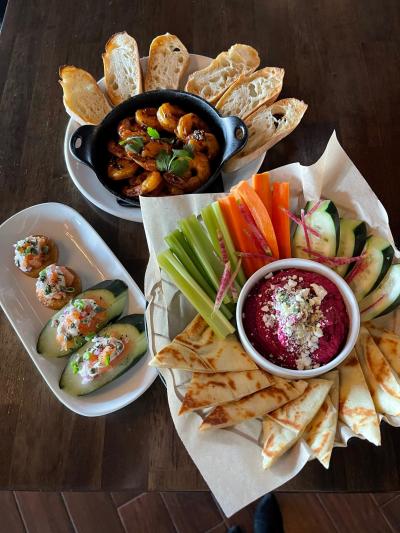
89 143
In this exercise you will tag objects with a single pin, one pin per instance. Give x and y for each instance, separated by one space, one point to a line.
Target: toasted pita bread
298 413
383 382
198 349
209 390
277 440
356 408
389 344
254 405
320 433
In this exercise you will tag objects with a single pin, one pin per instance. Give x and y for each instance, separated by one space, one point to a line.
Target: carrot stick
260 215
280 220
237 228
262 187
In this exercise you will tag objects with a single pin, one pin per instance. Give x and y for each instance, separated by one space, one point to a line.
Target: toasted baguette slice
122 72
249 93
211 82
168 63
266 129
83 99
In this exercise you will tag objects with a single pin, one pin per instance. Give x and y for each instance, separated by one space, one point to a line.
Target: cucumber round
115 295
379 255
133 326
385 298
325 220
353 235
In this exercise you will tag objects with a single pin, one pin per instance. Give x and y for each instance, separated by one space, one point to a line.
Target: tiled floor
190 512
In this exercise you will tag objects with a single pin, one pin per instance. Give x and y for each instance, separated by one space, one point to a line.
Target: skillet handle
80 144
236 135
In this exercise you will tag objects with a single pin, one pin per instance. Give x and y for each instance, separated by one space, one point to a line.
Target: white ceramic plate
81 248
87 183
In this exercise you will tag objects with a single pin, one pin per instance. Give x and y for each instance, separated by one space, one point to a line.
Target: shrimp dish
161 151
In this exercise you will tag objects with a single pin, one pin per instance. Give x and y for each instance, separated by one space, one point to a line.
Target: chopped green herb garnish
75 367
177 162
86 356
45 249
68 289
133 144
153 133
79 304
107 360
47 289
42 275
90 336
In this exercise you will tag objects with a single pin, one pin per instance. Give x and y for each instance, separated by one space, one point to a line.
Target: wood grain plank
146 514
43 512
11 521
124 496
303 513
391 511
192 512
355 513
381 498
92 512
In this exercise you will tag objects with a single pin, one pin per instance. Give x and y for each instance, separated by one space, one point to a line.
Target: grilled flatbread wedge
383 382
211 82
122 71
250 92
320 433
298 413
257 404
267 126
389 344
209 390
83 99
356 408
168 63
277 440
198 349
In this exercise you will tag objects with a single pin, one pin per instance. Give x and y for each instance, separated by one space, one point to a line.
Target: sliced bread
83 99
267 126
122 72
168 63
249 93
211 82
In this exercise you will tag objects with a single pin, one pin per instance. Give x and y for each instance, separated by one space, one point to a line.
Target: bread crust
57 304
287 125
159 47
121 40
53 256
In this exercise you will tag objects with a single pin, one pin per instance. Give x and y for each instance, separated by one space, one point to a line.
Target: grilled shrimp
147 117
188 124
152 183
121 169
116 150
168 116
198 173
205 143
154 147
128 128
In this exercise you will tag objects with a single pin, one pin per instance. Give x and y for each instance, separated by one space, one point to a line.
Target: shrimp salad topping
31 252
98 358
55 282
78 318
161 151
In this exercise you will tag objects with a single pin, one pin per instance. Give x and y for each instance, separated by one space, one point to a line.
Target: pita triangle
277 440
389 344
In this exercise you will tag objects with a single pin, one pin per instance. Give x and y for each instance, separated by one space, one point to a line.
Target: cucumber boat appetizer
370 270
81 317
324 221
353 235
385 298
110 353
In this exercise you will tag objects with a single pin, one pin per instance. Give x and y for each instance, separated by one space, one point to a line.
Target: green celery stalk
195 294
174 241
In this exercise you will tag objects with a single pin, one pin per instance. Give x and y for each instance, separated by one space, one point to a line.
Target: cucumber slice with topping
385 298
325 220
370 271
353 234
131 328
113 295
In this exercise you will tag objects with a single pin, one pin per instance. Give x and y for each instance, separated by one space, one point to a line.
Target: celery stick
210 222
203 248
174 241
195 294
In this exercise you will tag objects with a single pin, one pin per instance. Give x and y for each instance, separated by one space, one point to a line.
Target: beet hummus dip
296 318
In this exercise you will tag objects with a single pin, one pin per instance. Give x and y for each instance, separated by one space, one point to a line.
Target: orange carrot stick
237 227
262 187
260 215
280 220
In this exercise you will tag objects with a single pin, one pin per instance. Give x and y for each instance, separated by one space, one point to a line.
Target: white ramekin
349 300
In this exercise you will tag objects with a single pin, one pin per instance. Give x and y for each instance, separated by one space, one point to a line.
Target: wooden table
341 57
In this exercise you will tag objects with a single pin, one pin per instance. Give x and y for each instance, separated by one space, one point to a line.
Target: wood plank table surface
341 57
